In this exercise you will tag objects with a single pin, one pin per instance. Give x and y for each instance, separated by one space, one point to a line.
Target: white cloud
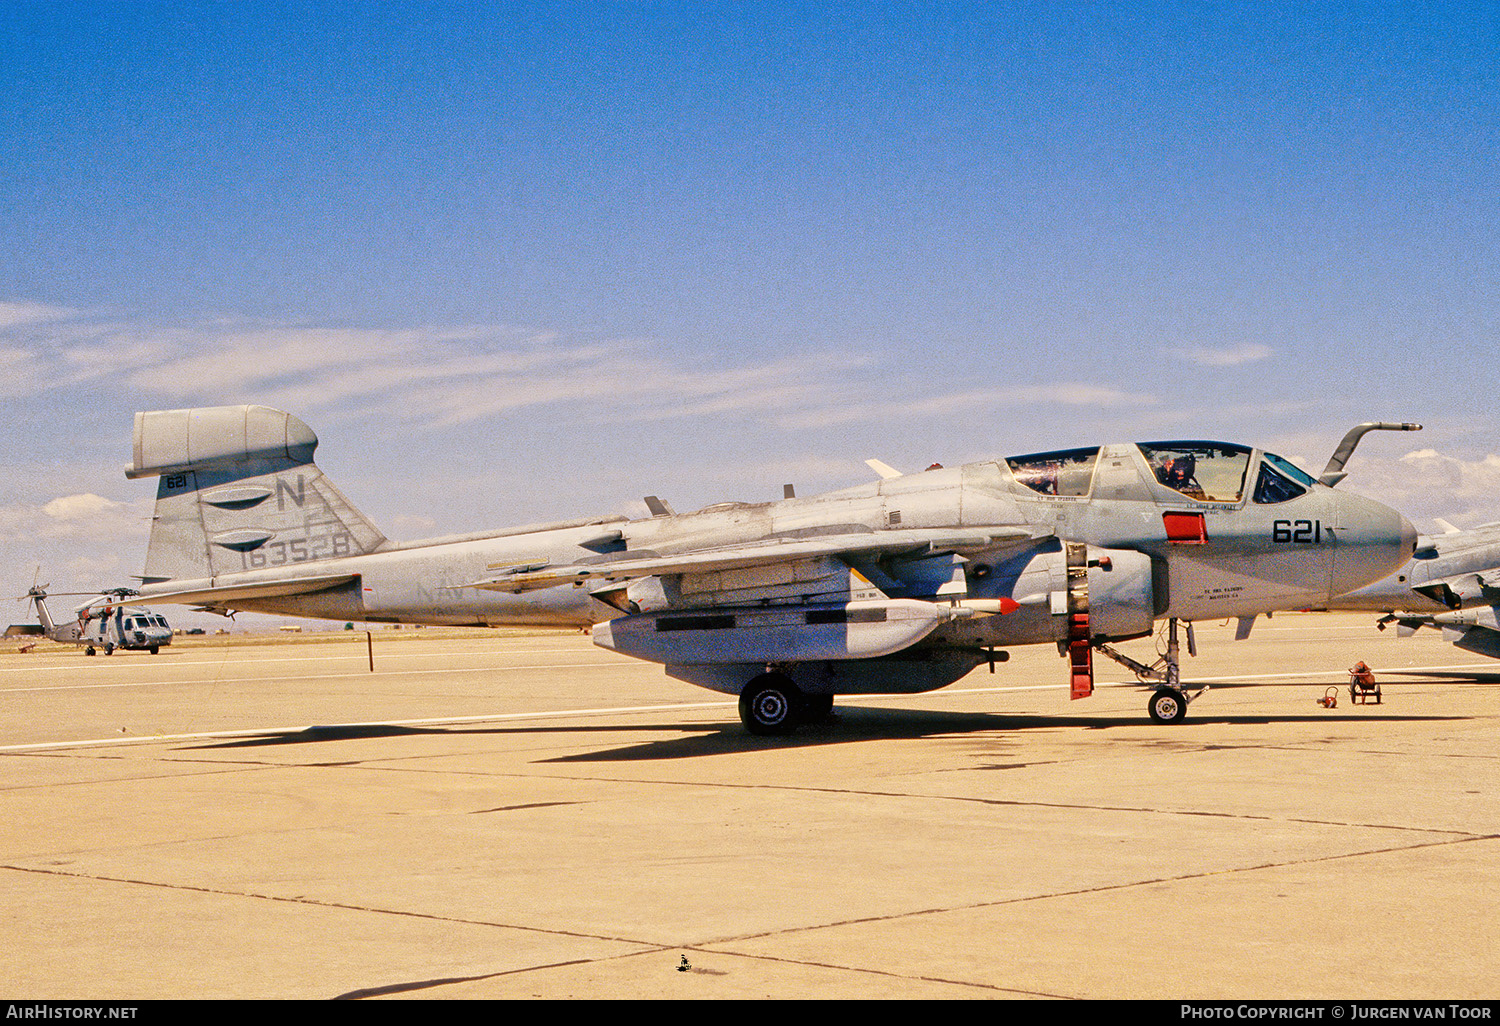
1468 481
1427 484
404 525
86 516
860 409
1207 357
14 315
441 377
79 507
72 542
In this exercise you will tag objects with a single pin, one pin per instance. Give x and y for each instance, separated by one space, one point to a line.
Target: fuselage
1203 530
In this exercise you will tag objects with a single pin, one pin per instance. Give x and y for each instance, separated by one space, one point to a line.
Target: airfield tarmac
513 815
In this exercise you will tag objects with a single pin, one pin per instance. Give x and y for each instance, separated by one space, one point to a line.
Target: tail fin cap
175 441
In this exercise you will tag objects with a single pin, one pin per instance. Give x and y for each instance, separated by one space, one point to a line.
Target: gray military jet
900 585
1452 582
101 623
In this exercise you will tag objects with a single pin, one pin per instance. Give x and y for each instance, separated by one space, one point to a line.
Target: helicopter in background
102 622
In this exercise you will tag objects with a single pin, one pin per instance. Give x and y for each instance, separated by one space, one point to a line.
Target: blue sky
516 262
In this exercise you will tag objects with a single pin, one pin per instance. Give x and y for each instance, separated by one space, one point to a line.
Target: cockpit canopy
1199 470
144 620
1280 480
1206 471
1066 472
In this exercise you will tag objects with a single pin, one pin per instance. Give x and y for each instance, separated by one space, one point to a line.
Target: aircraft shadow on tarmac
849 724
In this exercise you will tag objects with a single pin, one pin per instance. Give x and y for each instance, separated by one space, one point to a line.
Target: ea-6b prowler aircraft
1452 582
900 585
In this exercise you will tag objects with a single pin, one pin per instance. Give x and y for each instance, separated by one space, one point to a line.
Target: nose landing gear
1170 700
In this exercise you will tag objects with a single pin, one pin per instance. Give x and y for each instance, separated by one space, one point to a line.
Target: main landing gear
771 704
1170 700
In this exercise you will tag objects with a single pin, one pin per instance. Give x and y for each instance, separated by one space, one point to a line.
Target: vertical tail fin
39 598
239 491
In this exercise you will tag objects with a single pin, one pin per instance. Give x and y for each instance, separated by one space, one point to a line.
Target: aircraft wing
1479 640
1464 589
205 591
629 565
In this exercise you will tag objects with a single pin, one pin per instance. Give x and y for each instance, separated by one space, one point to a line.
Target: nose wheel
1169 701
1167 705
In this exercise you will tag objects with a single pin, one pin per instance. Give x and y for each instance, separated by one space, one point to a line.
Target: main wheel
768 705
816 708
1167 706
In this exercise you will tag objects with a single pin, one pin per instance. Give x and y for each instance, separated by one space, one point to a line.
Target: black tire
109 649
155 649
769 705
816 708
1167 706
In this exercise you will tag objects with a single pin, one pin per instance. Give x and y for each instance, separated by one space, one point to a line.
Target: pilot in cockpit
1178 473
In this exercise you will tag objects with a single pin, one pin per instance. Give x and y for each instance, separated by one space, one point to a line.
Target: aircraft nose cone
1374 541
1408 539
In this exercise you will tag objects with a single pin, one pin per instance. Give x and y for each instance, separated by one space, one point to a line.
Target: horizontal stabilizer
21 630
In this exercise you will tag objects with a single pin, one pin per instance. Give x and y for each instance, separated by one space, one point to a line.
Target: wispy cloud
1466 481
85 516
445 376
860 409
1426 484
1205 356
16 314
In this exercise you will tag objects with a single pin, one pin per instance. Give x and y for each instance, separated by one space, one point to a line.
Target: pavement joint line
416 985
1102 889
1455 835
449 981
86 665
319 903
721 945
971 984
